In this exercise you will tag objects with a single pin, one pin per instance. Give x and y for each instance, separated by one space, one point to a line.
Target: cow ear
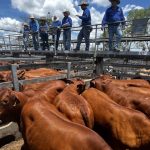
16 101
80 88
92 84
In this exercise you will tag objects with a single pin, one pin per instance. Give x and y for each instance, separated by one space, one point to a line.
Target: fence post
14 77
10 42
95 50
99 65
68 69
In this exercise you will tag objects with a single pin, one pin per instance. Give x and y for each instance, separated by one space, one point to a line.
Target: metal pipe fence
98 39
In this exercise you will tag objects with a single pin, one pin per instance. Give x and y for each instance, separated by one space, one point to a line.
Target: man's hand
102 28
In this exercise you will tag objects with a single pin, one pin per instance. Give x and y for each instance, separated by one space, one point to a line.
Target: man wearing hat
86 27
44 33
34 29
66 25
114 18
26 32
56 24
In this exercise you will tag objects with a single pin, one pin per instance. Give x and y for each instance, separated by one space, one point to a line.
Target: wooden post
49 58
99 65
68 70
14 77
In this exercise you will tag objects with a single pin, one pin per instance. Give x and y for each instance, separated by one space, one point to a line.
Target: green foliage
138 14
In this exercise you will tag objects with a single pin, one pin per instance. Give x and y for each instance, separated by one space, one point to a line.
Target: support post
49 58
68 70
14 77
99 65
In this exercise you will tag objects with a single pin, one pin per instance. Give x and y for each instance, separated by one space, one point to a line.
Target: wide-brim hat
84 3
118 1
25 24
43 18
67 12
31 17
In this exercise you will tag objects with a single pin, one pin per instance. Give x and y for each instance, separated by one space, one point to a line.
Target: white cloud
103 3
42 7
9 24
129 7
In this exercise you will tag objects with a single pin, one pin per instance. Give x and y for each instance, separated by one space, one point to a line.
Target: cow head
100 82
80 85
8 105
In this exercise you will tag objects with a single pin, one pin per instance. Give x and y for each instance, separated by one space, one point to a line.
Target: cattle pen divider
16 84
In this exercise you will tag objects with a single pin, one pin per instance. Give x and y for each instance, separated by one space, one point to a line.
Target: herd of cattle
68 115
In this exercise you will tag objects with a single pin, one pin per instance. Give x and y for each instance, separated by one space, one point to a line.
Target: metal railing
98 39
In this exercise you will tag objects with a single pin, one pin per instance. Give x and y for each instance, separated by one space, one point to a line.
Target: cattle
43 128
127 93
41 72
105 79
7 75
73 105
11 102
129 126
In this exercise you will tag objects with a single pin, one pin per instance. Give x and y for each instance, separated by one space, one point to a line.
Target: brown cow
44 129
129 126
41 72
11 102
129 94
105 79
73 105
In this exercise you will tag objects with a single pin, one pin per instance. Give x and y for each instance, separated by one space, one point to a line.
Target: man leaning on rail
34 29
114 18
86 27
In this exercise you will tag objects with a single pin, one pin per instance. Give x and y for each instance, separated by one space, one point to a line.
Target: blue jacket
44 28
26 31
86 17
112 16
56 23
67 21
34 26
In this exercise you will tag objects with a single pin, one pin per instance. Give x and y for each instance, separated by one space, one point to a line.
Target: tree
138 14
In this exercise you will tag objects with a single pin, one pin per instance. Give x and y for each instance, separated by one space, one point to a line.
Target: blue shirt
86 17
56 23
34 26
26 32
113 15
67 21
44 28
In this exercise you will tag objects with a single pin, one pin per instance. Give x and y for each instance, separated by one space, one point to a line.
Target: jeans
35 38
26 41
114 30
84 33
67 39
56 38
44 38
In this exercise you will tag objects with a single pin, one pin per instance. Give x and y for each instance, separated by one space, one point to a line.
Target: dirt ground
15 145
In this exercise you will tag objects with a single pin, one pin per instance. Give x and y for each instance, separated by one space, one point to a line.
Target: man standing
114 18
86 27
56 24
66 25
34 29
26 32
44 33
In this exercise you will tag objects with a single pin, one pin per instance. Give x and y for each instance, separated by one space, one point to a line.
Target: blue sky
14 12
7 10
